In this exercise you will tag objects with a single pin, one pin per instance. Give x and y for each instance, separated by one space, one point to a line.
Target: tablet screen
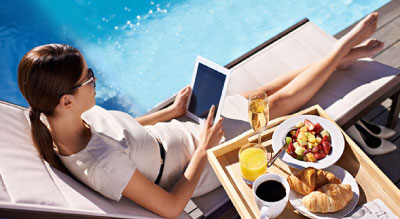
207 90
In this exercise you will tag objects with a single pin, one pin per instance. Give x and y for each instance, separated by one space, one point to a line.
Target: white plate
337 142
295 198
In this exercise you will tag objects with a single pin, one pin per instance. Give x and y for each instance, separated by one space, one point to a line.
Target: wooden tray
373 183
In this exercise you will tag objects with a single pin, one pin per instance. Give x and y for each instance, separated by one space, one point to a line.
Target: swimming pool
144 51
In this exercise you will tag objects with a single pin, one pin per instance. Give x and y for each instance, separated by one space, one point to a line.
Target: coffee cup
271 193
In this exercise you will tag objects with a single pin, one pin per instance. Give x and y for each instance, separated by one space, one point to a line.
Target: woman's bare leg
368 48
298 87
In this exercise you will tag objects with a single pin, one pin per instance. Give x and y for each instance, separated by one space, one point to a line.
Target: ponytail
44 142
44 74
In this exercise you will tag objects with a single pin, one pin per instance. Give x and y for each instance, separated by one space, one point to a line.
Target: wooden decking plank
391 56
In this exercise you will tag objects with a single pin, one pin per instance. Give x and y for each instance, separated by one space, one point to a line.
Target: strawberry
319 156
290 147
326 146
326 138
309 124
317 129
297 132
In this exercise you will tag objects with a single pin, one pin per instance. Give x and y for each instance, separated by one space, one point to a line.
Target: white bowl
337 142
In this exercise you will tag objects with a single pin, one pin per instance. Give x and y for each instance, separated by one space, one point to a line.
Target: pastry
325 177
329 198
303 181
309 179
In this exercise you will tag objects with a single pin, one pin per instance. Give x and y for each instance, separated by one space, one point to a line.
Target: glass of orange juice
253 162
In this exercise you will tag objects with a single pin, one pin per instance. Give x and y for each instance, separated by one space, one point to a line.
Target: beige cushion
342 96
26 182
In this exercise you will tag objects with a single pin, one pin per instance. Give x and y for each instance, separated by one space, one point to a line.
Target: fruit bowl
336 140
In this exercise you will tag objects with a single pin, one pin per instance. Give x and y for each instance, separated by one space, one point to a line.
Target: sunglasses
91 80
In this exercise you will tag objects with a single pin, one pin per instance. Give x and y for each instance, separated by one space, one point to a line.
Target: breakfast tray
372 182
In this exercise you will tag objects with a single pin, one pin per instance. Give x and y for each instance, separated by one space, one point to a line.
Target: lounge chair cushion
340 96
26 182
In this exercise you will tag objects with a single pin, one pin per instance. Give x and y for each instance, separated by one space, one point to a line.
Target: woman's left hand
178 108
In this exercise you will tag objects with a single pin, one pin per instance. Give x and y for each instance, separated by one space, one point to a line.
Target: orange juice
253 163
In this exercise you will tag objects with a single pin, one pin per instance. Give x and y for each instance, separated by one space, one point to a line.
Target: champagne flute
258 112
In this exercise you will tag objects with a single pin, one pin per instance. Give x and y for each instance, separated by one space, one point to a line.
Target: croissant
325 177
309 179
303 181
329 198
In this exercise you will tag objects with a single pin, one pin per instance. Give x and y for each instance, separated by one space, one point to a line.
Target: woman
157 164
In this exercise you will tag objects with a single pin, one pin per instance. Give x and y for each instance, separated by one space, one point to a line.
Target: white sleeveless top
119 145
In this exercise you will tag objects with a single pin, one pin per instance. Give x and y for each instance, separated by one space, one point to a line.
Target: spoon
273 158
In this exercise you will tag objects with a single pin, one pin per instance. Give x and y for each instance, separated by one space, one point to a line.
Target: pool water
143 51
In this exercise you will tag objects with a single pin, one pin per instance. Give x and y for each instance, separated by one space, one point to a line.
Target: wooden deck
388 32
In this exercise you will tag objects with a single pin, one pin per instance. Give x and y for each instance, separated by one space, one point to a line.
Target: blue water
143 51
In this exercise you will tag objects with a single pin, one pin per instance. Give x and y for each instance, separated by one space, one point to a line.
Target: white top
119 145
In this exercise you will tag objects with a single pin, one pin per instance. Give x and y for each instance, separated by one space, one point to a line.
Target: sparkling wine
258 114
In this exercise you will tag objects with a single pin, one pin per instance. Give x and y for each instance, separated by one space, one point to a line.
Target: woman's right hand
211 134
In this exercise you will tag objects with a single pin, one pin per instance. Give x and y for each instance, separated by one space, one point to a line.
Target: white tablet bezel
221 70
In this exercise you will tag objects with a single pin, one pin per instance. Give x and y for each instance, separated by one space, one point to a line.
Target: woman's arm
171 204
177 109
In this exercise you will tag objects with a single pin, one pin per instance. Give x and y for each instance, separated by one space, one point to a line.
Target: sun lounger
30 188
347 95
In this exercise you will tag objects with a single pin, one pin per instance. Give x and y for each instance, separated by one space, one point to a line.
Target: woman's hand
178 108
211 135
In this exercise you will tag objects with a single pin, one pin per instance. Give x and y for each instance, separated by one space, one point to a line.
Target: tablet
209 86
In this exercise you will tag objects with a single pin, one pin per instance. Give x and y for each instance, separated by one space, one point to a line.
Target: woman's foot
368 48
362 31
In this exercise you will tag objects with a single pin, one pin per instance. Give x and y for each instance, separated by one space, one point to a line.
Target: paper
372 210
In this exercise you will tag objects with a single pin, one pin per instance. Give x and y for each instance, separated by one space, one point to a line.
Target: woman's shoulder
110 122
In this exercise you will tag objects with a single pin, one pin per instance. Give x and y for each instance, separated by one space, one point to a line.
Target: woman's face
85 95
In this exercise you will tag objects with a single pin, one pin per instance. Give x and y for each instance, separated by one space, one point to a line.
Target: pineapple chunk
311 138
319 139
325 132
302 142
310 145
304 129
301 136
310 157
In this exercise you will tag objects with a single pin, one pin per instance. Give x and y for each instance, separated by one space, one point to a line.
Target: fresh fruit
311 138
288 140
310 157
326 138
299 150
302 142
319 155
290 147
326 147
324 133
310 126
302 136
297 133
308 142
317 128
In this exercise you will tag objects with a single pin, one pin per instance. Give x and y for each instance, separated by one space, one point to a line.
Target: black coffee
271 191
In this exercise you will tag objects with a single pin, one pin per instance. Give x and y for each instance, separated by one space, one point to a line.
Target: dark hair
45 73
